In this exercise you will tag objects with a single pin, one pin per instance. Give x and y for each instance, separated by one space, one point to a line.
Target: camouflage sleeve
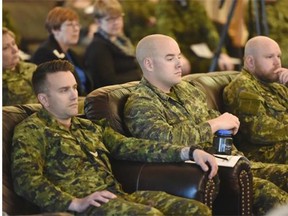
28 172
129 148
253 111
146 119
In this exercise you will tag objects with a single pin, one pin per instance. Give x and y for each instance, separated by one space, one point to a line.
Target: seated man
165 108
60 161
259 97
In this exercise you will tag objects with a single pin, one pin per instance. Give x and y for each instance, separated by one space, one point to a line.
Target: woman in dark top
110 57
64 29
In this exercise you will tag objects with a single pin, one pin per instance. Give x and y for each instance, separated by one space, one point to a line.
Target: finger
214 167
108 194
95 203
203 165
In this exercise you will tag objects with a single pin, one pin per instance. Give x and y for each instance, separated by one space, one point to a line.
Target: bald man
259 97
164 107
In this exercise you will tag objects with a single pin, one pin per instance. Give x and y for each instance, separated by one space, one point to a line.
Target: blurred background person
64 29
237 32
16 74
188 23
110 57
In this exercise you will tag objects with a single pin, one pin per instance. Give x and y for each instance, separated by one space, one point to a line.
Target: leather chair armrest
236 190
180 179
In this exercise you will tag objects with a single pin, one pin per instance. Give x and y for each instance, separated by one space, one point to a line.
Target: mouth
74 105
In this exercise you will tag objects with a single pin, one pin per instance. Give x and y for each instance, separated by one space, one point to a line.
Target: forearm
266 130
144 150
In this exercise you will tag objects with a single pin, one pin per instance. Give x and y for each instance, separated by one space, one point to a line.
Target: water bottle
223 141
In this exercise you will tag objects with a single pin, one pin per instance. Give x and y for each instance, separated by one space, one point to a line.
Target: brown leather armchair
235 194
134 176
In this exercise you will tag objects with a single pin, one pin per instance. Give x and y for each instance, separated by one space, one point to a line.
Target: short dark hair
40 74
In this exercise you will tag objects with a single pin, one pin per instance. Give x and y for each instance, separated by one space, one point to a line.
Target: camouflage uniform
139 19
262 109
52 165
181 118
17 86
189 24
277 16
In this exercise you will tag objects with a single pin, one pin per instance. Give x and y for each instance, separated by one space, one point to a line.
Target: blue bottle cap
224 132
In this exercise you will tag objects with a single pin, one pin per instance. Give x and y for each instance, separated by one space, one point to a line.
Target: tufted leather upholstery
235 194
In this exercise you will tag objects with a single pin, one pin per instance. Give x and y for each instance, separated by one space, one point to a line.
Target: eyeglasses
113 19
71 25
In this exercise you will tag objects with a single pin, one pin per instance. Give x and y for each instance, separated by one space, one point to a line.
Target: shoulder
28 125
142 91
27 66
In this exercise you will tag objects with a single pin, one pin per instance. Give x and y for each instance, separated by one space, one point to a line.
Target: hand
225 62
95 199
225 121
283 76
202 158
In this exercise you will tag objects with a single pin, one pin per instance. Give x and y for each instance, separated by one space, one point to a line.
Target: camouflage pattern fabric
181 120
150 203
277 17
17 86
51 165
187 23
262 109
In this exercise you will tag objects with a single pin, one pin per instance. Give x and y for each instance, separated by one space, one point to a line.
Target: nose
74 94
179 62
277 61
14 49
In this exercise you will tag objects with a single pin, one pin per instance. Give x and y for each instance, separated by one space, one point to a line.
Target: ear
43 99
148 64
250 62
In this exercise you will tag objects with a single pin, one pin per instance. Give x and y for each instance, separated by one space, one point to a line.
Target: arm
28 159
123 148
260 116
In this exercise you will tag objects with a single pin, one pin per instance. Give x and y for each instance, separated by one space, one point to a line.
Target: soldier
60 162
188 23
277 24
164 108
259 97
17 74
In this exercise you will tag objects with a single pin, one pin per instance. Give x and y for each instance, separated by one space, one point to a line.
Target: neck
64 47
65 122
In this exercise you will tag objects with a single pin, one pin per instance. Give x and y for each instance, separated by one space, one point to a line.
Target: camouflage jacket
51 165
152 114
188 24
261 107
17 85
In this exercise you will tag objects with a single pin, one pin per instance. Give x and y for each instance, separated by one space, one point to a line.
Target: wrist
191 152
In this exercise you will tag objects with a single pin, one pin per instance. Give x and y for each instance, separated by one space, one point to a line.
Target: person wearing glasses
110 57
63 26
